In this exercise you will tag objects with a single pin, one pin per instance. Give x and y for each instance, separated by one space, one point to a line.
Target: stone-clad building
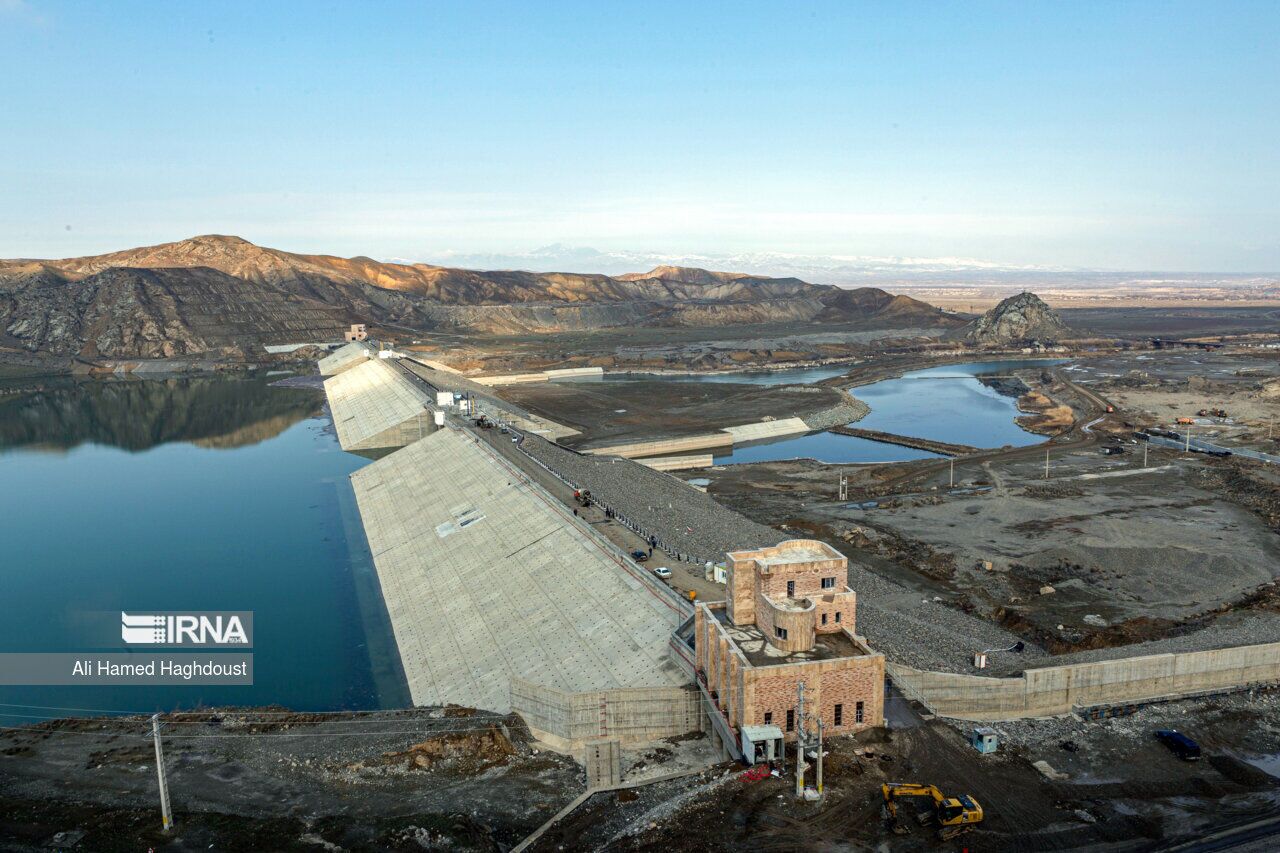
790 617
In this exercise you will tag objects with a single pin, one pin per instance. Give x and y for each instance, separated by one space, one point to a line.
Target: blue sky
1115 135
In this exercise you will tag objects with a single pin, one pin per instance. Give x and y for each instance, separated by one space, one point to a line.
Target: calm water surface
199 494
948 403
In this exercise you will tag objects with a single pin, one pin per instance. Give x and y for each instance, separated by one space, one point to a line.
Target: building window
824 618
768 718
837 615
791 589
791 720
857 713
782 633
839 714
828 583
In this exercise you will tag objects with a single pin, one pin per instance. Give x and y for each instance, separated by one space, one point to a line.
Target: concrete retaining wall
767 429
567 721
678 463
566 372
540 376
665 447
725 438
509 379
1050 691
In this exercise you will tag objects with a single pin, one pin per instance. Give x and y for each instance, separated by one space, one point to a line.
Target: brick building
790 617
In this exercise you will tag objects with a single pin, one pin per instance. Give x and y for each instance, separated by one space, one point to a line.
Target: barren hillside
225 296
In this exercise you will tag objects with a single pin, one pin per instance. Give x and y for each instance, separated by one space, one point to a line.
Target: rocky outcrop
1021 319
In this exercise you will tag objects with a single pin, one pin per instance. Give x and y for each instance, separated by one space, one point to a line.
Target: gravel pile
928 634
850 410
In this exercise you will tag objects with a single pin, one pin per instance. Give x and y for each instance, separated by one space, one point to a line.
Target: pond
189 494
958 403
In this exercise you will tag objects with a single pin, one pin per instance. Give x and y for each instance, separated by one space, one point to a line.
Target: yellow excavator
953 815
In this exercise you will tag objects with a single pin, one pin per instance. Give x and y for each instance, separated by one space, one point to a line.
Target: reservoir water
188 494
950 403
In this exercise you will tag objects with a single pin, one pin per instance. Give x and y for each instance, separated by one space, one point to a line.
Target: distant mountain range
824 269
899 274
224 297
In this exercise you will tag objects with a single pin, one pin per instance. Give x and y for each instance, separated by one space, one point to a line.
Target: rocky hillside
226 296
123 313
1021 319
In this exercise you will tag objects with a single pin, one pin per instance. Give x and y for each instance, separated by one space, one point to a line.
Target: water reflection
137 414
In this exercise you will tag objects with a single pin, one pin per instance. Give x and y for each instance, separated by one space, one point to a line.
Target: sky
1113 135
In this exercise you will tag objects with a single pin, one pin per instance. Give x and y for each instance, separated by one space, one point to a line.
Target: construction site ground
431 778
1115 788
1160 387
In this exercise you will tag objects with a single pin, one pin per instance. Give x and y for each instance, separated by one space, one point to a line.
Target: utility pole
1186 448
1046 463
800 742
819 753
1145 445
844 487
953 472
165 813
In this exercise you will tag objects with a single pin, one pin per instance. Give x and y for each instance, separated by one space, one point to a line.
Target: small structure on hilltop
789 621
356 333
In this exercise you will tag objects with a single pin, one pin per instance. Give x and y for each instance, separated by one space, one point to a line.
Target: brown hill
225 295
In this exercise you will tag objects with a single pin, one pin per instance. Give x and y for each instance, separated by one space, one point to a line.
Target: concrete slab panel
344 357
514 589
767 429
375 406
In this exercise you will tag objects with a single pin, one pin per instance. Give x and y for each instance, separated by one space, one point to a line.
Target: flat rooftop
760 652
791 551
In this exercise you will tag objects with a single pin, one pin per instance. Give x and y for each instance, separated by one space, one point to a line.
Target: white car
663 572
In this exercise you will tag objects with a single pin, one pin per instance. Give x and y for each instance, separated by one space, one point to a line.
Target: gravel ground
1240 628
684 520
1258 714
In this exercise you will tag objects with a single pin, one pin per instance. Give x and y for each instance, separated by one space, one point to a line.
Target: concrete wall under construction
377 407
567 721
344 357
1055 690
